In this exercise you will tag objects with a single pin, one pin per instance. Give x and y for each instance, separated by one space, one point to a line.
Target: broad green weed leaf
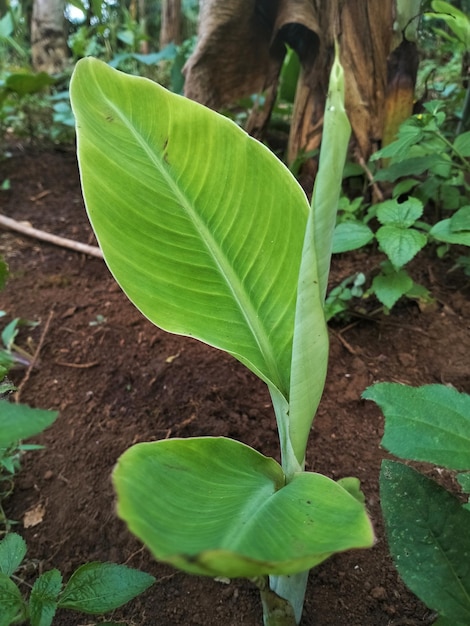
443 231
429 423
350 236
12 552
100 587
216 507
427 531
460 221
44 598
18 421
409 135
400 244
410 167
402 214
11 602
200 224
391 285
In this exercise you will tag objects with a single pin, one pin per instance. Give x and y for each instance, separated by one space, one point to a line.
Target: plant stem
282 599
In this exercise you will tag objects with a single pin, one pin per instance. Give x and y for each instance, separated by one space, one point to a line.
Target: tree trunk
171 22
48 44
241 48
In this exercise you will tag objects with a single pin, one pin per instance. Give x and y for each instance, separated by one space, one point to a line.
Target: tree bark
171 23
48 44
241 47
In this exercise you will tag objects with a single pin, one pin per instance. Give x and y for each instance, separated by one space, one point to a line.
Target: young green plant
94 588
212 237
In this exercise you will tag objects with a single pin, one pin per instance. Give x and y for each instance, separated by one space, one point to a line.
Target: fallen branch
35 357
24 229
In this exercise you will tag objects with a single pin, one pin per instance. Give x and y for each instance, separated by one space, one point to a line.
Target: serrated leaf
427 532
11 602
402 214
442 231
100 587
44 598
429 423
350 236
12 552
18 421
216 507
390 286
400 244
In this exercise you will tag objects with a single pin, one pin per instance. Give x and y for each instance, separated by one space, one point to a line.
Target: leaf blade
217 507
227 246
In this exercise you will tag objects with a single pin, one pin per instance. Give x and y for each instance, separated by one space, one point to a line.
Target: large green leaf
18 421
427 531
214 506
429 423
200 224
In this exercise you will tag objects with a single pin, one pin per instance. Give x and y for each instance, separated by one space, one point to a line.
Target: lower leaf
427 531
101 587
216 507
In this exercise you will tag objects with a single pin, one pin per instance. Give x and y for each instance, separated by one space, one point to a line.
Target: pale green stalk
310 344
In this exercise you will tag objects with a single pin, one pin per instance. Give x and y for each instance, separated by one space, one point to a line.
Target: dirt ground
118 380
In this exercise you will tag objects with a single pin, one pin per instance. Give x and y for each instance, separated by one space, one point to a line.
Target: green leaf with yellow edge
216 507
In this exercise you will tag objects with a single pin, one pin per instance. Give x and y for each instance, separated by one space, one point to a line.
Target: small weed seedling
17 422
427 527
421 147
211 236
94 588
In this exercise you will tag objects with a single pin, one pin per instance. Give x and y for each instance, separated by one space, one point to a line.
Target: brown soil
123 380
